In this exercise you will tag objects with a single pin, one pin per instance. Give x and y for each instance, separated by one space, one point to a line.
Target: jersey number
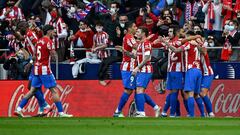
39 52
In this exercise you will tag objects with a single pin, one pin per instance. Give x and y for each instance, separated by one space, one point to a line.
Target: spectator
189 9
45 12
213 18
120 33
15 65
228 10
230 38
12 12
61 29
199 16
146 18
84 38
100 42
110 20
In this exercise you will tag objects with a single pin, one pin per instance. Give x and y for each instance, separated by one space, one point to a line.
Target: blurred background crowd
78 21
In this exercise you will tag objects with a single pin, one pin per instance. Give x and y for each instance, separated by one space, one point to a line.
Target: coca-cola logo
32 107
225 102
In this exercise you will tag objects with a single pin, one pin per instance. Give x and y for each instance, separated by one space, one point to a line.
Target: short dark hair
46 28
191 33
129 24
175 29
115 2
235 22
144 30
83 21
99 23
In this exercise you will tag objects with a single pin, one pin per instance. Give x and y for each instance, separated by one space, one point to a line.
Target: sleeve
147 48
139 20
185 47
33 37
20 14
131 42
154 18
2 16
205 8
62 26
106 37
50 46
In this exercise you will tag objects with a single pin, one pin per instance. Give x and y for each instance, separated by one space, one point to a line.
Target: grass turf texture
119 126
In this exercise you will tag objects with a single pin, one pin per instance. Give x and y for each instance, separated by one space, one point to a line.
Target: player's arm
190 38
101 47
54 55
174 49
201 48
130 54
147 57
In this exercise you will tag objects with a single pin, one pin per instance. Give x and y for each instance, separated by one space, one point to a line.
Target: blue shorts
31 74
47 80
207 81
129 82
193 78
142 79
175 80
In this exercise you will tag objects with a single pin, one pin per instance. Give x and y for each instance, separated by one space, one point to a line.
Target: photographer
15 65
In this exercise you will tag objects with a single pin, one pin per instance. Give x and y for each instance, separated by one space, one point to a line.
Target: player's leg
129 83
200 105
123 100
189 86
140 101
176 84
185 98
178 110
173 103
197 90
50 83
150 102
142 80
44 107
206 83
36 82
166 105
167 101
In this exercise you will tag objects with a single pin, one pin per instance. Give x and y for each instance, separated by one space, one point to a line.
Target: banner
86 98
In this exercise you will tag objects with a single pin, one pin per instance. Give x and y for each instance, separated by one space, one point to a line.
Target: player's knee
129 92
203 92
196 96
190 94
140 90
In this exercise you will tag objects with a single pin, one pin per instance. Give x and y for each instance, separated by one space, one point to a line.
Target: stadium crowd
75 20
95 26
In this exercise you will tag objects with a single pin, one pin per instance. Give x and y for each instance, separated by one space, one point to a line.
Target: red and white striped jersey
100 39
43 48
61 28
144 48
192 56
30 41
128 63
205 64
14 14
175 60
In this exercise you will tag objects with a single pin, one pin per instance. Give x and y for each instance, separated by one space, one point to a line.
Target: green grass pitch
119 126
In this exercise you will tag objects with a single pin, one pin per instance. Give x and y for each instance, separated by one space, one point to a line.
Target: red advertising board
89 99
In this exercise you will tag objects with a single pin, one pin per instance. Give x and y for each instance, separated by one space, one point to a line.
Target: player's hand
134 72
118 31
193 18
94 50
119 48
27 68
141 12
148 9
